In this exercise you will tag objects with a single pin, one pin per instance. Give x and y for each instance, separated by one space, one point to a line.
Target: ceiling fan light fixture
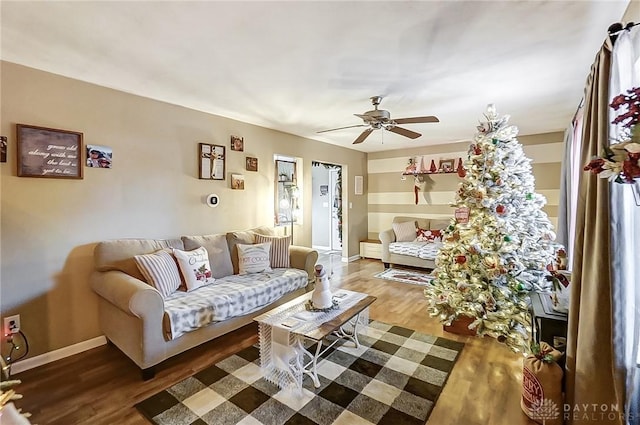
377 119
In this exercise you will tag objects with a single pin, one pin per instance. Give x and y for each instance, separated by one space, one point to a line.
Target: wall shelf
429 172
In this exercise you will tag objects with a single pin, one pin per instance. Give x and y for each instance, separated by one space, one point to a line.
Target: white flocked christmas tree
488 264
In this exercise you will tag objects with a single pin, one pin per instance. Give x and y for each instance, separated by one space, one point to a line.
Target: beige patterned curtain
592 380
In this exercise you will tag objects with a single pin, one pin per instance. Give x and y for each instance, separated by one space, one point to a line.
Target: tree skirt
395 377
405 276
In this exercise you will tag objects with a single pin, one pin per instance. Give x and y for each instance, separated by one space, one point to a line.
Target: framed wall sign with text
47 152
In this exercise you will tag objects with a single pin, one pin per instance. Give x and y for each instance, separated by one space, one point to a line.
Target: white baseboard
58 354
321 248
350 259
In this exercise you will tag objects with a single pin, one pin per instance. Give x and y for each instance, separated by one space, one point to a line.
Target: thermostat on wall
213 200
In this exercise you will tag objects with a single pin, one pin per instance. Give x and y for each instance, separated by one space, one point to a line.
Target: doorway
335 197
326 228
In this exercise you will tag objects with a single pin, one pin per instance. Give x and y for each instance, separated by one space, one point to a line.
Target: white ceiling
301 67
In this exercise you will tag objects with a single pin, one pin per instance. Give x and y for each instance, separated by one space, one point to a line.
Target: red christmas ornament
501 209
461 259
477 150
433 167
461 171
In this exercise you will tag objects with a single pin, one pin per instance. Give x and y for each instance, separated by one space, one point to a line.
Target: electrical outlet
12 324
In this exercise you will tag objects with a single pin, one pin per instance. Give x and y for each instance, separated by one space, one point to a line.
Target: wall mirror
286 193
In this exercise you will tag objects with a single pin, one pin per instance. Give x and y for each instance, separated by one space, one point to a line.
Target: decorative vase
321 296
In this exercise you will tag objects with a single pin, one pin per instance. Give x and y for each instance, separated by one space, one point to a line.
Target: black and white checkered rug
394 378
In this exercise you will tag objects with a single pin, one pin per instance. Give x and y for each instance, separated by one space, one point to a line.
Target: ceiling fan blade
363 136
404 132
415 120
342 128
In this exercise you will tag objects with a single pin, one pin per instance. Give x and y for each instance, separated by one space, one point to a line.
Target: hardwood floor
101 386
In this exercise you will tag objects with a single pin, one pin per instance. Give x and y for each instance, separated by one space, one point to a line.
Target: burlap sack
542 386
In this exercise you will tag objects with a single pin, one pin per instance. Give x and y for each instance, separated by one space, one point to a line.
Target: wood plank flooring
101 386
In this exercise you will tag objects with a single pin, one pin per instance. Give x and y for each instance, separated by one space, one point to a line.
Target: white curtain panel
625 228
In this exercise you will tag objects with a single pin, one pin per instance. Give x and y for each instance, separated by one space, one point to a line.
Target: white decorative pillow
254 258
405 231
195 267
160 270
279 257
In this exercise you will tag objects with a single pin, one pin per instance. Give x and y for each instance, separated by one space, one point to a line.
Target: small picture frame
237 181
211 160
99 156
3 148
237 143
446 166
49 152
251 163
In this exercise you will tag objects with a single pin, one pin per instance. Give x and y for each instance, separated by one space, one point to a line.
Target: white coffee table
285 329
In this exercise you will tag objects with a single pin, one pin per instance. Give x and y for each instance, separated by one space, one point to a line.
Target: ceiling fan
379 118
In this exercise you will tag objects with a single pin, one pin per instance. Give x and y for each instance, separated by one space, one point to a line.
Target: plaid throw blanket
227 297
424 250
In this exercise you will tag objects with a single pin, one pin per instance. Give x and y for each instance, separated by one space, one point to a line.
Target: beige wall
50 226
389 195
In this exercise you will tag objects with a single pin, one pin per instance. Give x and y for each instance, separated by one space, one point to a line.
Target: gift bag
542 397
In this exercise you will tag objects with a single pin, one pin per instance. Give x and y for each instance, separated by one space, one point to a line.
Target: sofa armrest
386 237
129 294
303 258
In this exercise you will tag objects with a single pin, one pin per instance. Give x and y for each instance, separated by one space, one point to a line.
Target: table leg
310 368
350 335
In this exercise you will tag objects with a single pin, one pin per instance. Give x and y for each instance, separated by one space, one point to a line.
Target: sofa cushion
195 267
235 238
279 255
118 254
160 271
405 231
263 230
439 223
218 249
231 296
254 258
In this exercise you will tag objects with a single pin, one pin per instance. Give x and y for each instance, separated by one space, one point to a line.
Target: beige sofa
388 237
133 315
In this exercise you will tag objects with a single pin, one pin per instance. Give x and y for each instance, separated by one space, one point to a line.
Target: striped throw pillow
254 258
279 257
405 231
160 270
